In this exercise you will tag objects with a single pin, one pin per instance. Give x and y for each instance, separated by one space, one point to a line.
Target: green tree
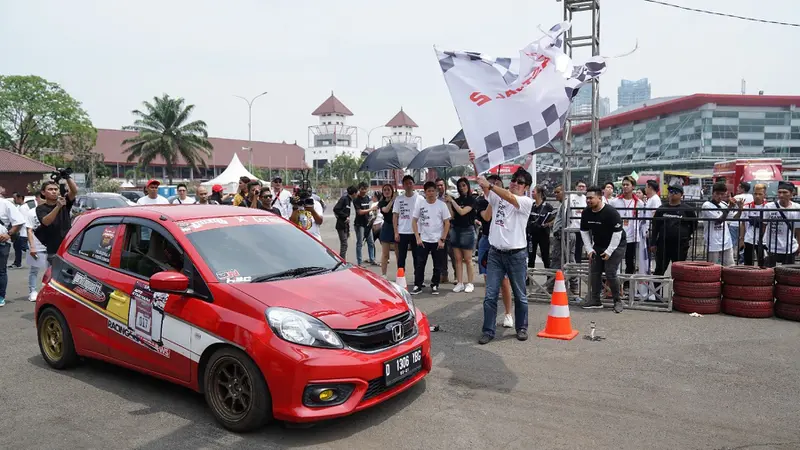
344 168
36 114
164 131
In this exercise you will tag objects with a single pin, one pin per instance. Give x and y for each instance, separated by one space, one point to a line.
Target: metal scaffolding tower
572 40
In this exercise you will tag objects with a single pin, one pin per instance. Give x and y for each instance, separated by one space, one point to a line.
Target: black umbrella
392 156
442 155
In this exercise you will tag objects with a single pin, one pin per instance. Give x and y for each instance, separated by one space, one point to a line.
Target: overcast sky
376 55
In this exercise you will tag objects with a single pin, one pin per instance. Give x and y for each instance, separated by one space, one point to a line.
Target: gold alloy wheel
52 337
232 391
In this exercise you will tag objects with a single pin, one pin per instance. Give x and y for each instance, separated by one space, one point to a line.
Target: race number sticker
146 315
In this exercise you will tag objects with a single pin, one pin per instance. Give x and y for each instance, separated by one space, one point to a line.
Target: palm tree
163 132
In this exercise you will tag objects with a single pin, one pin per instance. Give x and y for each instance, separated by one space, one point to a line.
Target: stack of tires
787 292
748 291
696 287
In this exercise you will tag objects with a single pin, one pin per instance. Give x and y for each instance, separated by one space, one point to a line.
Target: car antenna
163 218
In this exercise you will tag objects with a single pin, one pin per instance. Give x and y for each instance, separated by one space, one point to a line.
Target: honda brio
235 303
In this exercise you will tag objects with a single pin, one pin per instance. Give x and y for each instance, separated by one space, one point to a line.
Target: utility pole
250 124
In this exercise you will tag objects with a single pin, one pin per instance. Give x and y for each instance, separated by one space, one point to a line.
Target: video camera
302 198
61 174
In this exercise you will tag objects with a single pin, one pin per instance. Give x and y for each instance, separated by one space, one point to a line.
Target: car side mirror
171 282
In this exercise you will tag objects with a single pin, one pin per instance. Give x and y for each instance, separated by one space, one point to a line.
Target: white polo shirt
508 223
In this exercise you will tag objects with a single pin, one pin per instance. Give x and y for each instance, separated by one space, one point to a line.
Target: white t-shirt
716 232
146 200
652 204
306 220
508 223
32 222
630 225
9 215
430 219
748 198
283 203
404 207
188 201
24 209
753 213
777 234
377 214
577 203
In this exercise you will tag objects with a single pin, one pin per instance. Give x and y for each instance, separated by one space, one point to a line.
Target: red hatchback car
240 305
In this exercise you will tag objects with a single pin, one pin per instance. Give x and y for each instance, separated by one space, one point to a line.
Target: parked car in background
98 200
132 195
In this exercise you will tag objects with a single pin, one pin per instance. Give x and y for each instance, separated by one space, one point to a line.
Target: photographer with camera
251 195
54 213
306 213
11 221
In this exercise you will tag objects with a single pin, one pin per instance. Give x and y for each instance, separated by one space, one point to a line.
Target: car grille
377 336
378 386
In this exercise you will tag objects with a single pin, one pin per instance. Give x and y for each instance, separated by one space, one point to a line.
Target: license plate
402 367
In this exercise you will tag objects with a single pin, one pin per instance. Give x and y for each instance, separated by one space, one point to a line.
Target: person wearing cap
673 227
782 227
152 197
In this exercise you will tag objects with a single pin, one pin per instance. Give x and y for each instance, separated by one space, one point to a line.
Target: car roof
100 194
180 213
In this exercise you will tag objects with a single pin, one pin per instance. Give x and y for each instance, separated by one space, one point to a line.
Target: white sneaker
459 287
32 296
469 288
508 321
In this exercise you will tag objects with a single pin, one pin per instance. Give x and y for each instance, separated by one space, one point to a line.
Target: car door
81 274
138 336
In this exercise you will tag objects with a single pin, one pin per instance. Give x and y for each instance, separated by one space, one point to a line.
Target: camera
61 174
302 198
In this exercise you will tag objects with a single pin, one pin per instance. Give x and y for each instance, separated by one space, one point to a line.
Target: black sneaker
435 290
588 304
15 266
416 290
618 307
522 335
485 339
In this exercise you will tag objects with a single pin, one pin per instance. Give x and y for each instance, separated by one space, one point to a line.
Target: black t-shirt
52 235
602 225
480 205
540 215
387 217
670 225
468 219
361 203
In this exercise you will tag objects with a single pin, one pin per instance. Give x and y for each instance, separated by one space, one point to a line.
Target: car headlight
300 328
406 296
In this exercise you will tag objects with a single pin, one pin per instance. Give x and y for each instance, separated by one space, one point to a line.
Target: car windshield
109 202
249 252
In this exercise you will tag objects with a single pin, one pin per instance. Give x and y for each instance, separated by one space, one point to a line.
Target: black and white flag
510 107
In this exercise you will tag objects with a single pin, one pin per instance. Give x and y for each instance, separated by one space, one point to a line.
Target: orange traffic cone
401 278
558 324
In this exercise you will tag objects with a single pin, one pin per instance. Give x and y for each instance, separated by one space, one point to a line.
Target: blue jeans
33 274
498 266
361 232
5 249
20 247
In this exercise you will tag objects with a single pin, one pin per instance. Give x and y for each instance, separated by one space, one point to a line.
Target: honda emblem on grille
397 332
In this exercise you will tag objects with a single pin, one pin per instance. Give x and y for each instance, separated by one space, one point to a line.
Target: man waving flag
510 107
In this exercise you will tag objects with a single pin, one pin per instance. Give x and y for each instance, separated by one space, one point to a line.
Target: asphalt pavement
657 381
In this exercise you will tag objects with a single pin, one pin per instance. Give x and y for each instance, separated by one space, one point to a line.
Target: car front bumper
290 368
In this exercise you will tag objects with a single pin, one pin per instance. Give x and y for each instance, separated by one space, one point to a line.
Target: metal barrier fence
762 236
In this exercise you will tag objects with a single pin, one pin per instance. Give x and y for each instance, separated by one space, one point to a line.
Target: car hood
345 299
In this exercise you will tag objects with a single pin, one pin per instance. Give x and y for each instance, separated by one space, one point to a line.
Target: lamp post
250 123
369 132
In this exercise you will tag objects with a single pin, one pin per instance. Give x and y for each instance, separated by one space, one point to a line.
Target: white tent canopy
229 178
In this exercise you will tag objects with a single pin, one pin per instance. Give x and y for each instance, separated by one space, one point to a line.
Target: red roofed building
689 132
332 136
17 172
265 155
401 127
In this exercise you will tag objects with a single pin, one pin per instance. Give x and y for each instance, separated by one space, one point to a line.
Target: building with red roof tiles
18 171
332 136
264 155
401 129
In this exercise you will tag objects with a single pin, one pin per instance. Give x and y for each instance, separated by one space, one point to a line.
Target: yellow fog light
326 395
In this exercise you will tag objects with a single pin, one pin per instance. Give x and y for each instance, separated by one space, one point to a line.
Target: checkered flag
510 107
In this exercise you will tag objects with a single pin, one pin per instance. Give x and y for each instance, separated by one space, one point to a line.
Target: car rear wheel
236 391
55 340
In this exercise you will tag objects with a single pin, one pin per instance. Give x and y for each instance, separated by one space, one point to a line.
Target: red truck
753 171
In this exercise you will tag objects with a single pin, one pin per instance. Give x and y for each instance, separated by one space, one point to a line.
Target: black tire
788 274
711 305
55 340
787 311
748 276
239 413
749 293
788 295
744 308
696 271
697 289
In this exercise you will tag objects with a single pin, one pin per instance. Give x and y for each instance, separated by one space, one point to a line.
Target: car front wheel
55 340
236 391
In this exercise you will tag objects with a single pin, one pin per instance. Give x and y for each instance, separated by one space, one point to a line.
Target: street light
369 132
250 124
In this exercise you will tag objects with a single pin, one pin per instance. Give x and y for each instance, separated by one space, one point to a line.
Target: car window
147 252
98 241
239 253
108 202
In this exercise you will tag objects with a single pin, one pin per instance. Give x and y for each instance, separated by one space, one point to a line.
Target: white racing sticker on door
146 312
